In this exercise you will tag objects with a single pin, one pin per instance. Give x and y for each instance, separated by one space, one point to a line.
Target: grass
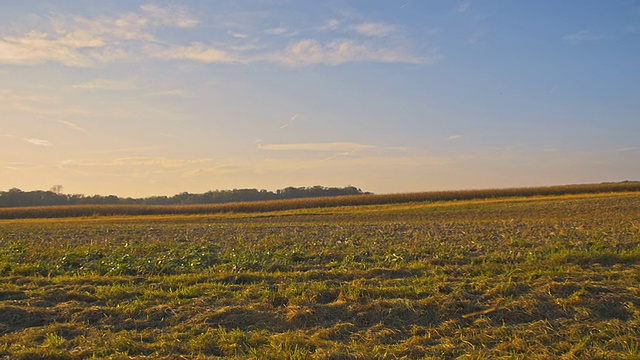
519 278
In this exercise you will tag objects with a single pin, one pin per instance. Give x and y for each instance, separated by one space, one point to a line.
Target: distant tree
74 198
157 200
10 198
16 197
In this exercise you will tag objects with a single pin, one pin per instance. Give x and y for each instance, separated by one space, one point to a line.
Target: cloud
581 36
37 47
14 165
375 29
303 52
108 30
238 35
110 54
71 125
291 120
41 108
39 142
10 97
310 51
628 148
454 137
463 6
277 31
171 15
330 25
77 41
196 51
319 147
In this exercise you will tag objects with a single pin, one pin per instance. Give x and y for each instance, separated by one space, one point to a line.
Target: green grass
514 278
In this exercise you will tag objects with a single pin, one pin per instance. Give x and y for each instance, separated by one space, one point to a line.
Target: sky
142 98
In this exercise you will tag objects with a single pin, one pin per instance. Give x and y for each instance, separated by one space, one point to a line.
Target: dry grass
554 277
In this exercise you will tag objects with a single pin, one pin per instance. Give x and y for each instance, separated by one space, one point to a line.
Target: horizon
141 98
61 191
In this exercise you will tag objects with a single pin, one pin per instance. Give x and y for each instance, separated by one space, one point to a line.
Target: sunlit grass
537 277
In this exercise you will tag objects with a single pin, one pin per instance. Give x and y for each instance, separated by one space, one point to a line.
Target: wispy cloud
107 30
628 148
39 142
463 6
329 25
581 36
171 15
71 125
40 106
111 54
454 137
277 31
238 35
19 99
196 51
78 41
375 29
291 120
37 47
15 165
310 51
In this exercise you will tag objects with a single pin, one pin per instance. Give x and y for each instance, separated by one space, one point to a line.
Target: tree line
18 198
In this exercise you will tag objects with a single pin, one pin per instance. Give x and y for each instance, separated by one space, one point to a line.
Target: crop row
279 205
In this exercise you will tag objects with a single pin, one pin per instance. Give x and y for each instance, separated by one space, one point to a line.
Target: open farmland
538 277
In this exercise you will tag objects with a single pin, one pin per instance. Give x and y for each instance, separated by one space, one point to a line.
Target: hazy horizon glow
141 98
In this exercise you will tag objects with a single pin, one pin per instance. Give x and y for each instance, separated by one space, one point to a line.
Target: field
540 277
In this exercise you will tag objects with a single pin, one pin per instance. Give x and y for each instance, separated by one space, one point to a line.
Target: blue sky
140 98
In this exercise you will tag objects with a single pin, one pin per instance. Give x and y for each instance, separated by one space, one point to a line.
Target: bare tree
56 189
